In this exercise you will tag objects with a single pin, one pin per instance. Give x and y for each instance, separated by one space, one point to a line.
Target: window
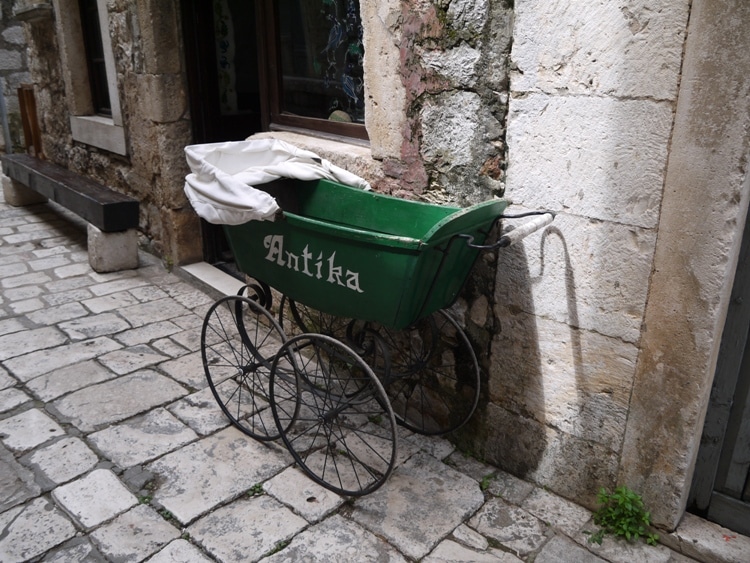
92 40
314 76
89 72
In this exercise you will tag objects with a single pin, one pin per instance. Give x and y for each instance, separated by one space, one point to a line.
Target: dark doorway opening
221 57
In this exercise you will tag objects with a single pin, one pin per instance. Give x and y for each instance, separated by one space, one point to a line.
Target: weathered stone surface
247 529
588 274
28 429
457 65
117 400
201 412
134 535
21 540
420 486
514 528
202 475
26 341
611 168
12 398
451 552
130 359
63 460
304 496
605 49
337 540
180 551
142 439
37 363
92 326
16 482
559 513
71 378
574 380
562 549
95 498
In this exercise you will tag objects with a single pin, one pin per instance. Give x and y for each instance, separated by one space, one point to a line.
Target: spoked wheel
259 292
297 318
239 342
344 433
433 378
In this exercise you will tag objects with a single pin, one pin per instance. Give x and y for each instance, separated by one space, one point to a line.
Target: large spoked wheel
433 378
344 433
239 342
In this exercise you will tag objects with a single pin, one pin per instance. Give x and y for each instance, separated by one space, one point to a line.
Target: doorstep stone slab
707 541
28 429
63 460
134 535
115 400
142 439
95 498
247 529
420 504
449 551
339 541
513 527
21 540
200 476
304 496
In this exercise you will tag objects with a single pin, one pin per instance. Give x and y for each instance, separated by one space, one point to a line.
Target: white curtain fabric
220 185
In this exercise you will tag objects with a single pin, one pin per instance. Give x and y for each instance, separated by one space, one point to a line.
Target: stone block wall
592 100
13 72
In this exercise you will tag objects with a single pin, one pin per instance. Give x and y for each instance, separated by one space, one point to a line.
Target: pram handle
543 218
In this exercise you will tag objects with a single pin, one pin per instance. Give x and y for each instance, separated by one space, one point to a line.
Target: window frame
86 126
273 118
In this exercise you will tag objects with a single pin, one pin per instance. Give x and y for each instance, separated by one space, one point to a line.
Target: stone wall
592 101
13 72
151 88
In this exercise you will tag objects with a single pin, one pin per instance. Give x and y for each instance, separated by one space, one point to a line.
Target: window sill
99 132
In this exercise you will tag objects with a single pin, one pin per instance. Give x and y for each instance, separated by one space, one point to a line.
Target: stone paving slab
28 429
142 439
63 460
180 551
339 541
308 499
201 412
21 540
424 500
95 498
117 399
65 380
17 483
451 552
202 475
134 535
247 529
511 526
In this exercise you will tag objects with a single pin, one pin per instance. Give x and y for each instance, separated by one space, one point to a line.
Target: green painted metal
360 254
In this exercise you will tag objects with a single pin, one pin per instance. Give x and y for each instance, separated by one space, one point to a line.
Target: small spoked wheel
433 378
239 342
297 318
343 434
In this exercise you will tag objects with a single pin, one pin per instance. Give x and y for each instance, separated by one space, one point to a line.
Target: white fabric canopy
220 186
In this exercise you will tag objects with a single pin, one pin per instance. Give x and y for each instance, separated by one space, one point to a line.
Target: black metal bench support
112 217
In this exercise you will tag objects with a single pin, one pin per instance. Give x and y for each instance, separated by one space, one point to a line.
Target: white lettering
277 255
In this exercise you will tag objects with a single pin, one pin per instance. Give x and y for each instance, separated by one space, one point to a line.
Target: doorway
721 484
221 56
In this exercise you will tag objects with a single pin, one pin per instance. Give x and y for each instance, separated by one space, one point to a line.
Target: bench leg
18 195
110 252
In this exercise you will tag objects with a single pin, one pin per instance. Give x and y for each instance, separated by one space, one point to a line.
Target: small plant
255 490
486 480
622 514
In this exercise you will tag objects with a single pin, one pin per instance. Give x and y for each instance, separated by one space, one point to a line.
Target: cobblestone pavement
113 449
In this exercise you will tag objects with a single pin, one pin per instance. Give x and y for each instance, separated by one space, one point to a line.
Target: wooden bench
112 217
